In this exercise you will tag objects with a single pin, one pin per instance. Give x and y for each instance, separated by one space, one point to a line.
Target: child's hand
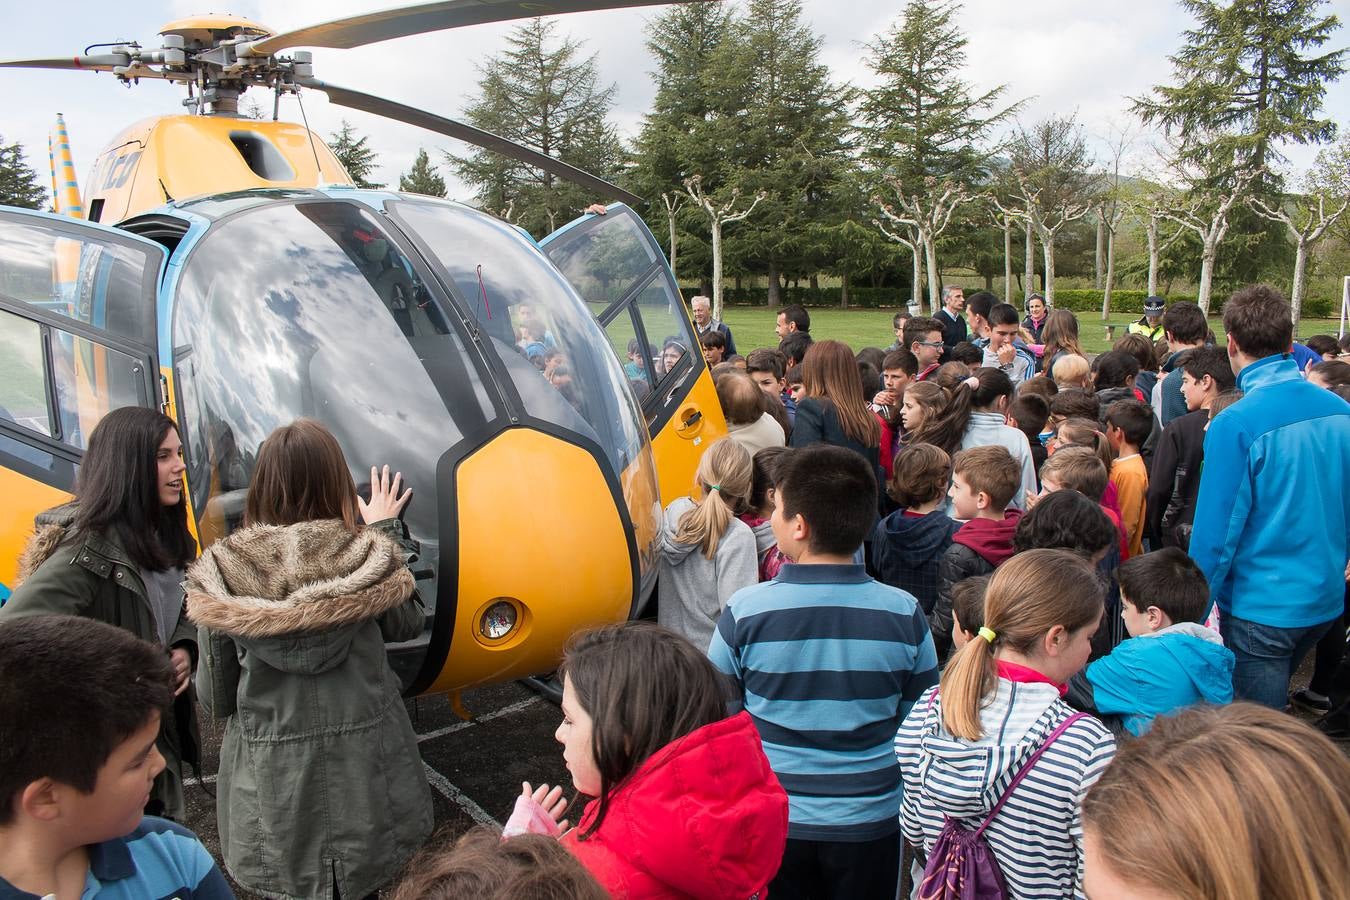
551 801
385 501
182 669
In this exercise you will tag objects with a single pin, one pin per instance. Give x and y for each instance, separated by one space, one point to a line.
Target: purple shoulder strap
1028 765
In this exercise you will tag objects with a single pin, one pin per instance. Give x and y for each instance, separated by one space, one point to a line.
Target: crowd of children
927 616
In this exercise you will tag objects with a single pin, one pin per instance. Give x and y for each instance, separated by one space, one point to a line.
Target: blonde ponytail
1027 596
725 474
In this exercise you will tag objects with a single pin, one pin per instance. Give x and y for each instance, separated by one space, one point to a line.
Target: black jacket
1174 480
905 552
817 422
953 333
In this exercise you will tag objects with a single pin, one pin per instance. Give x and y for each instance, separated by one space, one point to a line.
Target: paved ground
475 768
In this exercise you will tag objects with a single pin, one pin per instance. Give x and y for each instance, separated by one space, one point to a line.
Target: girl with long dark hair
116 553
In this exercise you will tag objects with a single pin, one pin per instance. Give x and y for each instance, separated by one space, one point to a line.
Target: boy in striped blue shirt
80 703
827 662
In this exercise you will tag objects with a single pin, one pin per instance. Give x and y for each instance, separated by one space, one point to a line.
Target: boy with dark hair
1174 478
1272 518
1128 423
1072 403
768 367
984 481
828 662
714 345
81 701
907 546
793 319
968 610
1186 330
1029 414
1002 352
978 306
794 347
898 325
1170 661
923 338
899 370
967 354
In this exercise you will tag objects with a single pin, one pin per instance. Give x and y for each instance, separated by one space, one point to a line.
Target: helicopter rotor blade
387 24
99 62
469 134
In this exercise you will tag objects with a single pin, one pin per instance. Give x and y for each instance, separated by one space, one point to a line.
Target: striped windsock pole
65 189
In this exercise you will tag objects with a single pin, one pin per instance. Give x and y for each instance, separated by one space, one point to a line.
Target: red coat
703 817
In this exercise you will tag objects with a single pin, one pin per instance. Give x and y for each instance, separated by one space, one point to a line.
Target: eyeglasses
934 344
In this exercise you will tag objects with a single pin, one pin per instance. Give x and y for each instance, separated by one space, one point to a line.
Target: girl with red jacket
685 802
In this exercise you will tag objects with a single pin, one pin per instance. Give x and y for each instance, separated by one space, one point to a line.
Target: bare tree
718 217
1308 216
1050 165
1205 210
673 201
928 213
1005 222
1111 211
910 240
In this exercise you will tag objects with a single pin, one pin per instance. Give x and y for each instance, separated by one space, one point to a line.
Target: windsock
65 189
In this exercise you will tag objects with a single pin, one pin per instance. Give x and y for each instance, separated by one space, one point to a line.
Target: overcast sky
1063 55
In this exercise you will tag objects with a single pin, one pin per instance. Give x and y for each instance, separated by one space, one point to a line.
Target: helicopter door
77 339
617 267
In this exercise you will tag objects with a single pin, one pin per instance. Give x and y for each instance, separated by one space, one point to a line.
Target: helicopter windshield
548 341
312 309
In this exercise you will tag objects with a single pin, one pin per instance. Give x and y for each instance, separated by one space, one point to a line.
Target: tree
718 215
422 178
1150 206
19 182
1050 168
1205 211
673 203
1110 212
354 154
544 94
1326 198
924 129
1250 77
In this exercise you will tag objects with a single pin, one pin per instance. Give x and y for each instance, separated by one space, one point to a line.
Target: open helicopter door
617 267
77 339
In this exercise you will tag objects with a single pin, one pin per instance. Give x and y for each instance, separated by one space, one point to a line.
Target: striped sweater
828 662
1037 837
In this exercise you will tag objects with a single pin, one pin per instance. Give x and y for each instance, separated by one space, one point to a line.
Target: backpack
961 865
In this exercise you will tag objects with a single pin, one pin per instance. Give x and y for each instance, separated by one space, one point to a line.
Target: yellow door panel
678 446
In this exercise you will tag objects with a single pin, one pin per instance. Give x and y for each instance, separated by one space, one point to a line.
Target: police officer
1150 326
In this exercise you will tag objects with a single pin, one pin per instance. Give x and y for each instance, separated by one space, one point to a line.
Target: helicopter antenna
312 149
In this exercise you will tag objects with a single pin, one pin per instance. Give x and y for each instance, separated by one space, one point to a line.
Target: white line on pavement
458 797
485 717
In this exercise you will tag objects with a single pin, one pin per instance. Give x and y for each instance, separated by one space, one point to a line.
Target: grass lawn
752 327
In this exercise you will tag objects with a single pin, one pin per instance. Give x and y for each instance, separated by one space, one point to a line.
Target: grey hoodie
991 429
693 590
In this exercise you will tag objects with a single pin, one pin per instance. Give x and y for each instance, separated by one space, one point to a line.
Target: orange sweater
1131 480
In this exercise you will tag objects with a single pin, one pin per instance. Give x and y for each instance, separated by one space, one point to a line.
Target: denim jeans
1267 657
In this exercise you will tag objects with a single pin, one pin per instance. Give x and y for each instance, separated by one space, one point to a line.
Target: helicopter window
264 159
105 284
629 348
23 390
310 309
604 263
554 351
667 335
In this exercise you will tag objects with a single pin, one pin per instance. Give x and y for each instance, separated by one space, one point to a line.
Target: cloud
1063 55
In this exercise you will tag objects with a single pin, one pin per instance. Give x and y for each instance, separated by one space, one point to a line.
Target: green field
753 327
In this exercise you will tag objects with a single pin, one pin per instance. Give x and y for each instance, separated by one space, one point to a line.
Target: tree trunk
1097 255
717 270
1007 261
1030 283
934 288
814 281
1206 276
673 270
1296 295
915 303
1110 272
989 283
1153 256
843 291
775 288
1048 248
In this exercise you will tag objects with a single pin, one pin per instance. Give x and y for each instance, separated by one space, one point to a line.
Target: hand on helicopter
596 208
385 500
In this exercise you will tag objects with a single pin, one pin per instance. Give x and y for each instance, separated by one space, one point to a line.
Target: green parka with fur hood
321 786
67 572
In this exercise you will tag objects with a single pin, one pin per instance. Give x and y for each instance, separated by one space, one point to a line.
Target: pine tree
544 94
1249 77
422 178
356 157
19 182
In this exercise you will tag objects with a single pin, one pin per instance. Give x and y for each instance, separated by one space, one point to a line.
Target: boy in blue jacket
1170 661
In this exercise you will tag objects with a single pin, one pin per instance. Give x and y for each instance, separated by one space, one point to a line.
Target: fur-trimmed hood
50 529
311 578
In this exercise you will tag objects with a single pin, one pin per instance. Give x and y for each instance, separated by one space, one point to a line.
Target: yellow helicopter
541 399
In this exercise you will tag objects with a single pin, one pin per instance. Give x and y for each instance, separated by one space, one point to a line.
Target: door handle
691 420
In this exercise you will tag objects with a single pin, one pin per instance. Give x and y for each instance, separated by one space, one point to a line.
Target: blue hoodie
1159 673
1272 518
905 552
